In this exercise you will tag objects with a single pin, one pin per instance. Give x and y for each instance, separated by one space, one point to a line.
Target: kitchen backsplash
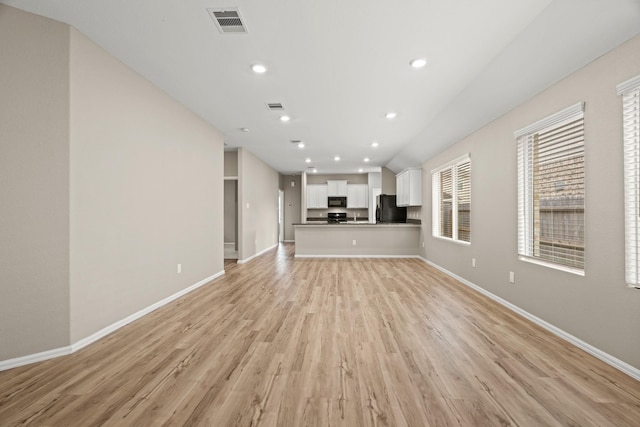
322 213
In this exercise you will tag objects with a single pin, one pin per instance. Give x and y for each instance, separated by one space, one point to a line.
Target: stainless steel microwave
337 202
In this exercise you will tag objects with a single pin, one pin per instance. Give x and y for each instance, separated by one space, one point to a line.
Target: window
630 91
452 200
551 190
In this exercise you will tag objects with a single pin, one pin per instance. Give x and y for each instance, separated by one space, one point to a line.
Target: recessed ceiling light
308 160
366 160
360 170
300 144
391 115
336 158
244 129
315 170
418 62
259 68
374 144
285 118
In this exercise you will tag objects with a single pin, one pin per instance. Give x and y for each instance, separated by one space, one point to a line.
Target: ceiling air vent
275 106
228 20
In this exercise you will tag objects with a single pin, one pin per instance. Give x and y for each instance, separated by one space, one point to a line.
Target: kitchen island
357 239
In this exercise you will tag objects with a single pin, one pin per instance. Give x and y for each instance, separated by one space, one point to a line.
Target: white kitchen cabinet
402 183
357 196
409 187
317 196
337 187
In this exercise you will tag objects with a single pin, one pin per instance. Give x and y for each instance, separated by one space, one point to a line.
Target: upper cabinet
337 187
357 196
409 187
317 196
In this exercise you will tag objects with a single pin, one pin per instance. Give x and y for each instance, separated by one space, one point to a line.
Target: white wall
107 184
388 181
34 183
146 185
597 308
292 206
231 198
231 163
257 205
231 211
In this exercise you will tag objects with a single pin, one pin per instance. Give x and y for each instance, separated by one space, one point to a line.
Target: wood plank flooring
324 342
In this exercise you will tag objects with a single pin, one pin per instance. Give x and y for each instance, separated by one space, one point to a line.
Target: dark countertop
355 224
360 221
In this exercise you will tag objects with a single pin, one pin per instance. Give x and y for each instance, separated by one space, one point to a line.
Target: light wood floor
324 342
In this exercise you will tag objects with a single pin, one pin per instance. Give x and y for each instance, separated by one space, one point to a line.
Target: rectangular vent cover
275 106
228 20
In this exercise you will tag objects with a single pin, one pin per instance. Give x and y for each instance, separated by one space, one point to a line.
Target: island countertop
356 224
357 239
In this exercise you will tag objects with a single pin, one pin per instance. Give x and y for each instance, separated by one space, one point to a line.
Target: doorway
280 216
230 218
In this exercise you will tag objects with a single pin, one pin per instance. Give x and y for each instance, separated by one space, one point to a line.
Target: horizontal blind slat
631 144
463 195
551 193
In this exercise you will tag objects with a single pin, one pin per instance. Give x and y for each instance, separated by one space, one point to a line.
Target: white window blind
463 198
630 91
451 200
551 189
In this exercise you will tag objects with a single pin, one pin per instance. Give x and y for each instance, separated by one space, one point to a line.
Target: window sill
571 270
446 239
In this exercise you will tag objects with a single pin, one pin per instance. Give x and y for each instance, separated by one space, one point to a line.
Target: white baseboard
63 351
242 261
356 256
594 351
288 241
119 324
33 358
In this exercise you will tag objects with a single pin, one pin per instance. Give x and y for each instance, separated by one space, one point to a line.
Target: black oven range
336 217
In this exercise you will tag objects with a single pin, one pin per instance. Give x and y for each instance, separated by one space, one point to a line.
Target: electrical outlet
353 242
179 268
512 277
473 262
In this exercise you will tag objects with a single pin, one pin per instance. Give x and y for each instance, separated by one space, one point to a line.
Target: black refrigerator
387 211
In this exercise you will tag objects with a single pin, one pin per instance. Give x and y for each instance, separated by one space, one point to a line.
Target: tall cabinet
409 187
